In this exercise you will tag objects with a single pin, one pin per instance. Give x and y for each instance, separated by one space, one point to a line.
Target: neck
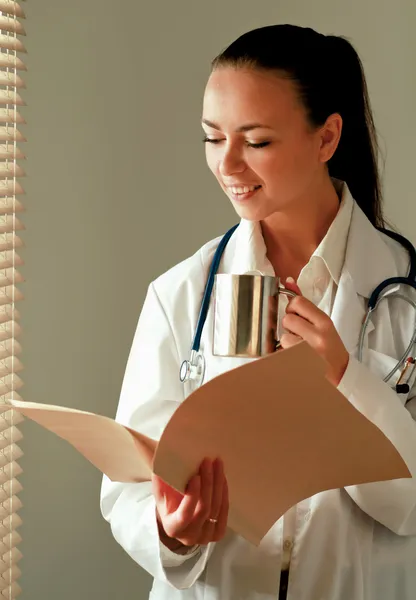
293 234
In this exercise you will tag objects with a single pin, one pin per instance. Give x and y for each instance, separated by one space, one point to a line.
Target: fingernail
290 280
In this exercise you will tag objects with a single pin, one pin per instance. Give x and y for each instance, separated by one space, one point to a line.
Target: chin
252 213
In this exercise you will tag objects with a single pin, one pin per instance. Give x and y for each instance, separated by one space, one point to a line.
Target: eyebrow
241 129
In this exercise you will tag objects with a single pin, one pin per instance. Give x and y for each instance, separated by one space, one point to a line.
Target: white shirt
318 281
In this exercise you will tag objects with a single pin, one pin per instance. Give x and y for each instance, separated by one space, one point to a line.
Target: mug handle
285 292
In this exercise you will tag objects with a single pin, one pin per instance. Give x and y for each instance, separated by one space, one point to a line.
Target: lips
244 193
242 188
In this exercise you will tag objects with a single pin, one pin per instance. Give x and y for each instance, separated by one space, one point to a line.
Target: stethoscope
193 369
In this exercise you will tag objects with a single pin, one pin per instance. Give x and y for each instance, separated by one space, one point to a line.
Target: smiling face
259 143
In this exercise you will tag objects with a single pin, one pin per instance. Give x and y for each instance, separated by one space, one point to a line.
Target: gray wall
117 192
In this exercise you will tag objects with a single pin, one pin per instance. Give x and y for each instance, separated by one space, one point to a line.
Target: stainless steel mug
246 315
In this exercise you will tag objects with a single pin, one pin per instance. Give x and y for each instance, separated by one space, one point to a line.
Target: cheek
289 163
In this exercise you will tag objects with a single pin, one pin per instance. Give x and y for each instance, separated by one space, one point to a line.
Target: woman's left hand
305 321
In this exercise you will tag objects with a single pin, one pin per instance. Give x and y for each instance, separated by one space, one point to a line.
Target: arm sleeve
391 503
150 394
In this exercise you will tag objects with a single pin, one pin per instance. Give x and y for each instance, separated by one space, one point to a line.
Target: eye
208 140
258 145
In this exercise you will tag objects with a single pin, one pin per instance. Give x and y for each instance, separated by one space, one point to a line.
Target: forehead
236 94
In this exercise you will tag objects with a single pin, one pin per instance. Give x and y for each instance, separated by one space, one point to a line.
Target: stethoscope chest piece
193 369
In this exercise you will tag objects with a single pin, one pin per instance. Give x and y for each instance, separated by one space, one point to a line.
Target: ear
330 134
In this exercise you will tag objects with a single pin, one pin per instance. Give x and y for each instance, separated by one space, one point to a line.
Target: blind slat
8 42
10 557
12 505
11 97
9 329
12 592
9 488
11 134
8 436
9 259
8 313
9 115
8 241
10 348
10 152
9 384
11 79
8 245
13 452
10 365
12 61
9 205
10 294
12 8
11 24
11 169
11 419
11 522
9 539
10 187
8 223
11 470
10 276
8 575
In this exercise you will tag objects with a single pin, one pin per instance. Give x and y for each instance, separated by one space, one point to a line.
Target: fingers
217 488
203 508
206 497
222 517
209 528
200 505
289 339
188 505
299 326
302 306
290 284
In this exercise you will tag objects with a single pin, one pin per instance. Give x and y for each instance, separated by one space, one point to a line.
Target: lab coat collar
368 262
368 259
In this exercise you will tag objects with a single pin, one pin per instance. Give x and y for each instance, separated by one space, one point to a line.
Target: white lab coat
357 543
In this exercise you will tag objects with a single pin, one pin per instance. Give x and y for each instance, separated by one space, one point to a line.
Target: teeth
243 190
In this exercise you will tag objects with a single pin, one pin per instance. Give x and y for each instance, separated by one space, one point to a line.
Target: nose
231 162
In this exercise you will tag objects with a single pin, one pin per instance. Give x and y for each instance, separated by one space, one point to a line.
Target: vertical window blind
11 84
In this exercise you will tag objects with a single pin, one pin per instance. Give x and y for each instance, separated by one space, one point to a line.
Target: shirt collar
250 250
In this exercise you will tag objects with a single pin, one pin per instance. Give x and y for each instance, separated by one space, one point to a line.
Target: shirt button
287 545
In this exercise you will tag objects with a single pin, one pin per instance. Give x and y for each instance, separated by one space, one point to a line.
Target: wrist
335 376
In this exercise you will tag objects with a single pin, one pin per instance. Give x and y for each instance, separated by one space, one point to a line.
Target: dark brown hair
329 77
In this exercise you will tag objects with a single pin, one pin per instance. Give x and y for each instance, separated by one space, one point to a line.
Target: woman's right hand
200 515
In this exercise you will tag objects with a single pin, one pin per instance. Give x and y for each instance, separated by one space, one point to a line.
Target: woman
290 138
